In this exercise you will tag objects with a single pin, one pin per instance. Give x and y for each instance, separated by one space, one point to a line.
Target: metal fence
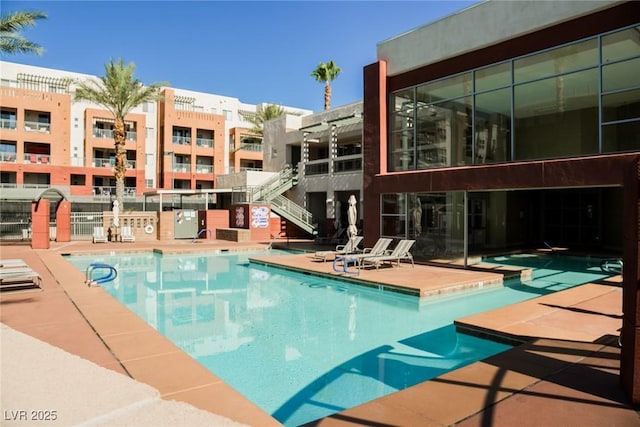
18 227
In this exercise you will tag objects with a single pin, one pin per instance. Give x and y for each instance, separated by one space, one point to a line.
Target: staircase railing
271 192
293 212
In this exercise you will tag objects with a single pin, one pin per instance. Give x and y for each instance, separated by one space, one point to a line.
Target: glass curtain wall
574 100
436 221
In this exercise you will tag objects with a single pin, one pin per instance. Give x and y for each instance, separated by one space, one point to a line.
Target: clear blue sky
257 51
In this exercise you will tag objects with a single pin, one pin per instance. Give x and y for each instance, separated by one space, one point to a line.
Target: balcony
182 167
111 162
42 159
8 124
108 191
204 142
181 140
250 147
108 134
7 157
204 169
39 127
102 133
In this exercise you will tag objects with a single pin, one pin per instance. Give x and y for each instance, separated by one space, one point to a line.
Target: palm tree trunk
120 169
327 95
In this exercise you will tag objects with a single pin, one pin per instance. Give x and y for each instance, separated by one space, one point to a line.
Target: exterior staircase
272 192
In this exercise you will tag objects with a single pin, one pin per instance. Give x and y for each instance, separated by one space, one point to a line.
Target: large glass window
620 45
557 117
493 127
556 61
549 104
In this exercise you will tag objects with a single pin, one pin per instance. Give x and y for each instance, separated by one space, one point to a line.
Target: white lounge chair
378 249
12 263
98 235
126 235
399 253
19 278
349 248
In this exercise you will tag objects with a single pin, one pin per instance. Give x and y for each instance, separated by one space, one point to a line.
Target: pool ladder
110 275
612 265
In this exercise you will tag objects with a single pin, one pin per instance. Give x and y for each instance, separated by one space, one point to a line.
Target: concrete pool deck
74 332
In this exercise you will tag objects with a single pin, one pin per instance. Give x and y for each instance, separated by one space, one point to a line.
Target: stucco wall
478 26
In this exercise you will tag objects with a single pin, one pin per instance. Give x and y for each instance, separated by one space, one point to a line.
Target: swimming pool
300 347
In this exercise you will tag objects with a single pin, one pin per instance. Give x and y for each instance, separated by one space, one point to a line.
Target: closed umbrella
116 212
353 217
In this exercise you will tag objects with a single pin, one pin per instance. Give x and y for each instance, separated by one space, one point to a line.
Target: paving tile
222 399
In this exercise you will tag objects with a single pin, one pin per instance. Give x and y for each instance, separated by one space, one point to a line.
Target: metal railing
181 140
182 167
250 147
31 126
36 158
107 191
110 162
204 169
108 133
204 142
8 123
7 157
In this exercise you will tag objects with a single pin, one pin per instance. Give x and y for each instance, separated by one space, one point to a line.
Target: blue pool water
299 346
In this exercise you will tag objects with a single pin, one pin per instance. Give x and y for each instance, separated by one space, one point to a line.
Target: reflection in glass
621 44
493 127
557 117
621 137
556 61
493 77
621 75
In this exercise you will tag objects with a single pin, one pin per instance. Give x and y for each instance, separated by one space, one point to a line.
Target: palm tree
119 92
10 40
263 113
324 74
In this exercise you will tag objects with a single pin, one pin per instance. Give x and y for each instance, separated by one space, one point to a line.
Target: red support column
40 224
630 353
63 221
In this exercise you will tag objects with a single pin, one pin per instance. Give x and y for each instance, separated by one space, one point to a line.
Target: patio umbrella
352 213
116 212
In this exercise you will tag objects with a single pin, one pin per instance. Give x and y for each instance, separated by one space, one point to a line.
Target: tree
119 92
11 41
326 73
263 113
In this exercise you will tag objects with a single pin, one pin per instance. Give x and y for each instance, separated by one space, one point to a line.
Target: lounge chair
19 278
12 263
126 235
349 248
398 254
98 235
378 249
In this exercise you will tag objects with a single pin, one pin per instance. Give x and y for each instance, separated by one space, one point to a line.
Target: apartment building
507 126
325 150
182 142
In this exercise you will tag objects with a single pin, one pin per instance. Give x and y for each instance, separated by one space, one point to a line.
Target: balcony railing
182 140
7 157
182 167
37 158
109 191
37 127
204 142
8 123
251 147
108 134
109 163
204 169
102 133
317 167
